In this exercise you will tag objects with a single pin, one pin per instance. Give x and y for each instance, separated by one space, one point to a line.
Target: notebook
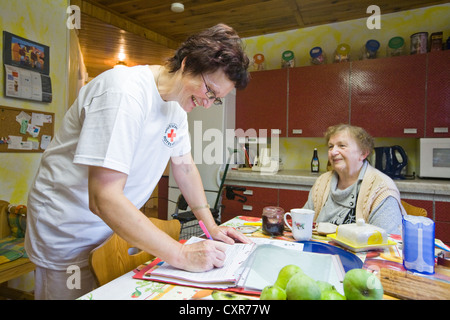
250 267
219 278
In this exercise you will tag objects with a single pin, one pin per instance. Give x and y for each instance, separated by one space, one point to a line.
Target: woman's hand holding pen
208 254
203 256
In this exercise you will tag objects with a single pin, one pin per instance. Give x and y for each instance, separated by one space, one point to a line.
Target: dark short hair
218 47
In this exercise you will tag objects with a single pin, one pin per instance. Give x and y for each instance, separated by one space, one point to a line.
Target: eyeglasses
211 94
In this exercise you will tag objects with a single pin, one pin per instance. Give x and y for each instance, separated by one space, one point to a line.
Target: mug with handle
302 221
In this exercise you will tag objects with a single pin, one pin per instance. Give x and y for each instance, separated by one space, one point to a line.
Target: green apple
323 285
302 287
360 284
286 274
272 293
331 295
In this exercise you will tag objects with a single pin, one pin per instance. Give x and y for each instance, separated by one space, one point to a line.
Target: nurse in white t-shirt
109 154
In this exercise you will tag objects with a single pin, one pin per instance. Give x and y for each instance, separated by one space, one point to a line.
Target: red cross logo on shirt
171 135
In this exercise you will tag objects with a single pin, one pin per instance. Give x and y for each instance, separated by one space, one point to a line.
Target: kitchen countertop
423 189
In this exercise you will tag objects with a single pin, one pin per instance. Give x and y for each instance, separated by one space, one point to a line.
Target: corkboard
10 127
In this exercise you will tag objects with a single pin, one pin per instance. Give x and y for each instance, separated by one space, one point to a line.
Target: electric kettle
391 161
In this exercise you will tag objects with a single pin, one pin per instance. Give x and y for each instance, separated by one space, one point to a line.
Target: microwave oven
433 158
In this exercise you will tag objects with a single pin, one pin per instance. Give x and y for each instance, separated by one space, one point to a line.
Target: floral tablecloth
127 288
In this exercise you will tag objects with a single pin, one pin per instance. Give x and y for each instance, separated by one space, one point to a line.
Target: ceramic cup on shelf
302 221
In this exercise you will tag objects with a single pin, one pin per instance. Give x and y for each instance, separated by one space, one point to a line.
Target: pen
202 225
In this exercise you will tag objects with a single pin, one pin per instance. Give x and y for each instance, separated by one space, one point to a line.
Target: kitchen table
128 288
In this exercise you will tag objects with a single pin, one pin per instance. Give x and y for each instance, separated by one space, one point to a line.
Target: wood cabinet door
263 104
290 199
256 199
442 221
438 95
388 96
318 98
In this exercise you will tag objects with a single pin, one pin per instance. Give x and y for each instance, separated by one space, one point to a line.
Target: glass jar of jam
272 221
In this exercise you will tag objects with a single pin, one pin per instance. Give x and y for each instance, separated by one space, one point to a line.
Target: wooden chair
15 268
413 210
112 258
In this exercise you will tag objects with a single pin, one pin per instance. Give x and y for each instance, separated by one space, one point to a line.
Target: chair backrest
4 226
112 258
413 210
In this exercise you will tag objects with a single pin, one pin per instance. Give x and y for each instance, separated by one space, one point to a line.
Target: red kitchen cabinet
263 104
257 199
442 221
290 199
388 96
438 95
318 98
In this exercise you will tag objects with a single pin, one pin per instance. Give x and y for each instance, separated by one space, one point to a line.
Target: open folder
266 261
250 267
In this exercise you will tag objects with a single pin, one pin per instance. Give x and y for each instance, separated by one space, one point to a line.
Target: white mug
302 221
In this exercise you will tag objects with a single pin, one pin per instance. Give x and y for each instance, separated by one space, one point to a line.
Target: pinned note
45 140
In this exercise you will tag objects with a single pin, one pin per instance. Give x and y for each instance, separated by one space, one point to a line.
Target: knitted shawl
375 188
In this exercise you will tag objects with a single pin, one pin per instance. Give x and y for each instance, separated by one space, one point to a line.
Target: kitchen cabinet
318 98
405 96
442 221
263 104
438 95
290 199
388 95
256 199
259 197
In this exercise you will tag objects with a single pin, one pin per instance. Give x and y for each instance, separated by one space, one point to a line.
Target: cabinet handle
275 131
247 208
440 130
410 130
297 131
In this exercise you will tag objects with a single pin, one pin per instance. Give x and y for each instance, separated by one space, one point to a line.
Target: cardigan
375 188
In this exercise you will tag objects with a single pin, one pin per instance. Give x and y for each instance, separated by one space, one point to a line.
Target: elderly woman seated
354 189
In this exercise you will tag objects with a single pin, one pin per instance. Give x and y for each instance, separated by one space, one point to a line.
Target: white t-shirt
119 121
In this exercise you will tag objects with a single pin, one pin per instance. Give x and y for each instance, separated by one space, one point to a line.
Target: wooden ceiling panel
101 44
149 31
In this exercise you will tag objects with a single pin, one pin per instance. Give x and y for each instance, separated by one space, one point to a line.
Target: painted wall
43 21
296 153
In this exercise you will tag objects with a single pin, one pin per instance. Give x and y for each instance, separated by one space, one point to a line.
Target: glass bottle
315 164
395 47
